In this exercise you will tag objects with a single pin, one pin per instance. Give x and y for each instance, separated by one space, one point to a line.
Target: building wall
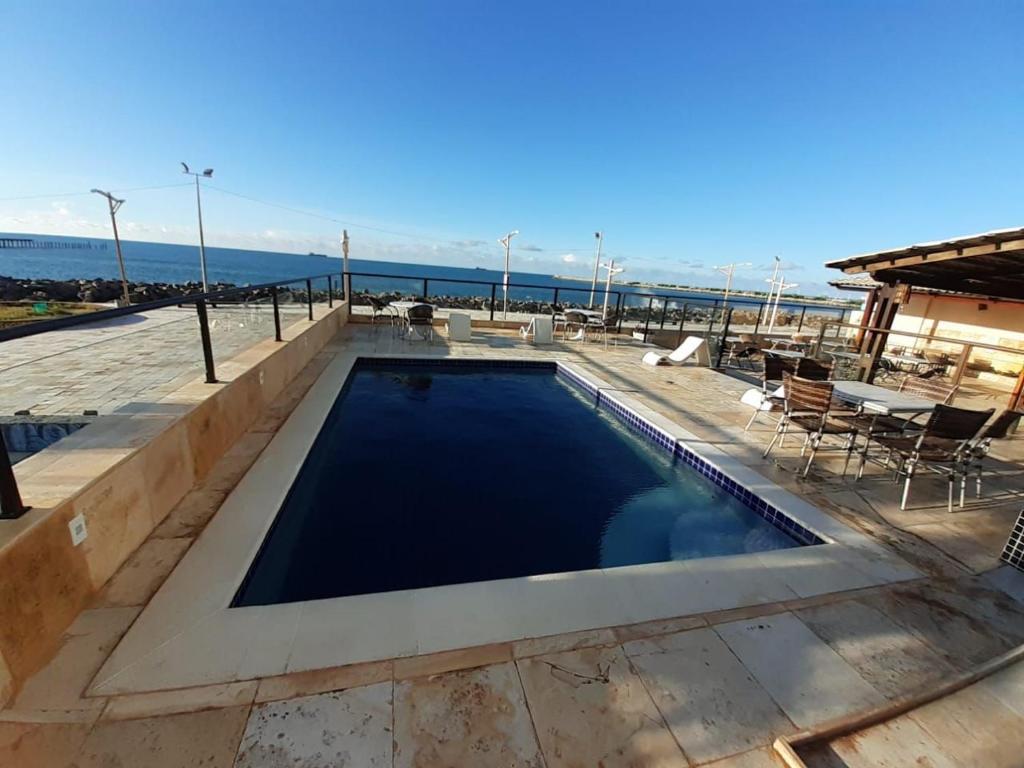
953 317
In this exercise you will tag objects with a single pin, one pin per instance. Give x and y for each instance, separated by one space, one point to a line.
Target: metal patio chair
380 310
574 321
944 447
808 407
557 318
771 380
421 321
979 449
602 327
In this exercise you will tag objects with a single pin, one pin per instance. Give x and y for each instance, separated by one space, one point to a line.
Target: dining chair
997 430
557 317
380 310
574 320
602 326
943 446
771 380
807 405
421 321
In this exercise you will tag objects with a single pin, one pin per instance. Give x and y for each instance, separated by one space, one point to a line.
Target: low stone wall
123 474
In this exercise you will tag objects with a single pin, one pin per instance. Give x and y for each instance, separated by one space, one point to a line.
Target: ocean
169 263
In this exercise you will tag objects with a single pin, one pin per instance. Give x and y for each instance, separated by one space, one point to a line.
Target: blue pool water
431 475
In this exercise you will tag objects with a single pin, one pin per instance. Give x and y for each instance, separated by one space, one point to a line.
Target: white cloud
569 258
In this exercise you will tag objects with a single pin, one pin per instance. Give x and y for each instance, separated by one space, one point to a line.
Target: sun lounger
693 347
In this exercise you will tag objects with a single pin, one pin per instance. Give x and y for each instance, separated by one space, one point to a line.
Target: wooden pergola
987 265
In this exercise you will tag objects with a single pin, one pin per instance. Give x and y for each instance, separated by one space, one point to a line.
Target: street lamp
597 264
208 173
728 270
507 242
115 205
612 271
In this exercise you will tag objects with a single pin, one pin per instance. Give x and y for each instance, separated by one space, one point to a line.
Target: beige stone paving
552 701
132 359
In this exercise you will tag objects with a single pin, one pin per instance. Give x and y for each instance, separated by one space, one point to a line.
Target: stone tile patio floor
105 366
700 690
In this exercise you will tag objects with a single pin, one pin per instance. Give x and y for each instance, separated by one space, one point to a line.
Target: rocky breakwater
94 291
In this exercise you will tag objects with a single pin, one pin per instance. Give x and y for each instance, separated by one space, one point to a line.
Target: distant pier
29 242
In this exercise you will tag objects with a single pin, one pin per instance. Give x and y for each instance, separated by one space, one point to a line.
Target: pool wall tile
636 423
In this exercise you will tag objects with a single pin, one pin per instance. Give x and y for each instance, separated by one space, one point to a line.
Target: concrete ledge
124 473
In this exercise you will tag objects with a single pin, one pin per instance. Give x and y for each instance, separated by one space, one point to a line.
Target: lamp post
771 289
206 174
728 270
597 264
612 270
346 279
507 242
115 205
782 286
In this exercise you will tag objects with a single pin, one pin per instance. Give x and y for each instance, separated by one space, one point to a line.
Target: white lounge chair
540 329
693 347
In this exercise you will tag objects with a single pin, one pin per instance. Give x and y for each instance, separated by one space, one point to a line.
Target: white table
879 400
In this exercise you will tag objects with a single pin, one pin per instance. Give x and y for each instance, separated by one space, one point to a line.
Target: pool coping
188 635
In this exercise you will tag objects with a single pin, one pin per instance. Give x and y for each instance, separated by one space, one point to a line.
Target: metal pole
619 308
555 300
682 322
757 320
309 297
647 321
597 264
721 340
494 290
504 280
277 315
330 291
204 335
202 241
664 310
11 505
425 294
711 325
800 323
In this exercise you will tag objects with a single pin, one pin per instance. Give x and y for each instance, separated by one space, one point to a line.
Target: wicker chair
997 430
380 310
807 406
575 321
421 321
771 379
872 425
944 446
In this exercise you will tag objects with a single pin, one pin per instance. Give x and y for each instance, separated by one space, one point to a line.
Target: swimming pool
426 474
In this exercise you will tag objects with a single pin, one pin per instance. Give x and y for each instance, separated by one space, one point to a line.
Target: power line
76 194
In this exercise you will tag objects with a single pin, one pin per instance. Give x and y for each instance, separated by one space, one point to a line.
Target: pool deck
711 688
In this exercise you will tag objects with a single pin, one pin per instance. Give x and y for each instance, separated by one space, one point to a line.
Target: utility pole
612 270
771 289
507 242
115 205
597 264
206 174
728 270
346 278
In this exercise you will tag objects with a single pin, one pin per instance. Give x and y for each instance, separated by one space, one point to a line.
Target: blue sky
692 134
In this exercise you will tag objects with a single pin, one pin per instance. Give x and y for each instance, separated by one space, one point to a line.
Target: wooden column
886 307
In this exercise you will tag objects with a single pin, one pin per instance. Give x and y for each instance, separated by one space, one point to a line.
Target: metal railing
651 310
11 503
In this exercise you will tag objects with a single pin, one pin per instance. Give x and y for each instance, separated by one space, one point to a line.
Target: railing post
664 310
494 288
619 310
647 320
277 314
757 320
721 340
555 300
309 297
11 505
425 294
204 335
682 323
330 292
711 324
800 324
346 279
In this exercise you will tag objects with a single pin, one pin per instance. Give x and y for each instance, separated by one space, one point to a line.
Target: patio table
795 354
879 400
913 362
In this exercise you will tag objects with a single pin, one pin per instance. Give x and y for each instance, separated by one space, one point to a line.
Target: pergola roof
990 264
